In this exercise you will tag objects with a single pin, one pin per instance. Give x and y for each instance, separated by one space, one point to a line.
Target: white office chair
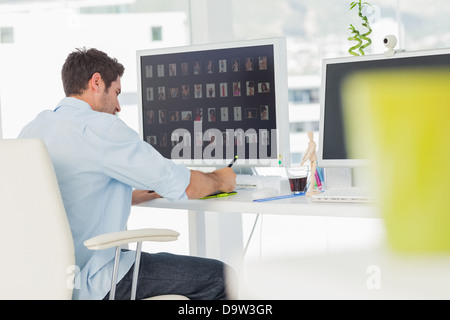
36 245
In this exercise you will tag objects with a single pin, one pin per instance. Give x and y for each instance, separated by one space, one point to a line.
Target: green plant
357 35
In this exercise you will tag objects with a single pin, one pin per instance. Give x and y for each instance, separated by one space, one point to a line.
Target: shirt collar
74 103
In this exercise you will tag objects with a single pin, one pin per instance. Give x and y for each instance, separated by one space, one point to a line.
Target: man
98 161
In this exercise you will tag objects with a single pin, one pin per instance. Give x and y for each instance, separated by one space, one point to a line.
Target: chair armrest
114 239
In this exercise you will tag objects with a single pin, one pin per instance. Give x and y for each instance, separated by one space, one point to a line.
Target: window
304 95
6 35
39 25
319 29
157 34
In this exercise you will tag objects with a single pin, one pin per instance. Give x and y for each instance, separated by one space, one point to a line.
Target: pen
232 162
280 197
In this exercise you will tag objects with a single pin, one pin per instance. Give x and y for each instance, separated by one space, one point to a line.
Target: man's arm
140 196
203 184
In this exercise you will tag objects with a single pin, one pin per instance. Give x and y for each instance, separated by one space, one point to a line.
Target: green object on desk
220 194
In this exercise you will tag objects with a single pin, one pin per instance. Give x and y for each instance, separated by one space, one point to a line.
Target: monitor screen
203 104
332 151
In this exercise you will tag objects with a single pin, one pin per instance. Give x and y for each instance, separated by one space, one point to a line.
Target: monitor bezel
353 163
281 99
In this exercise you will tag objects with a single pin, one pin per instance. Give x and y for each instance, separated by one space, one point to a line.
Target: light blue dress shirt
98 159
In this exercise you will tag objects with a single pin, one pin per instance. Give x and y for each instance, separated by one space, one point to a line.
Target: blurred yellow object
401 119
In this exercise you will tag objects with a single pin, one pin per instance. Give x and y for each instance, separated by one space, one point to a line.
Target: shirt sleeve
134 162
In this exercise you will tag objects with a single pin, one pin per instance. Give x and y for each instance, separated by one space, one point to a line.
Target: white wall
30 78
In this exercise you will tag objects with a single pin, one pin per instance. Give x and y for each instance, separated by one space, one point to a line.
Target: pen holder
400 120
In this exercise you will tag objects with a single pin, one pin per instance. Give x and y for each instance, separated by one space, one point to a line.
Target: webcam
390 42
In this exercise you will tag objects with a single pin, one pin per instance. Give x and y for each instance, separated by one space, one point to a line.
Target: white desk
215 225
242 202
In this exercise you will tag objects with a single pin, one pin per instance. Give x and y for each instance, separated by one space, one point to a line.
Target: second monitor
203 104
333 149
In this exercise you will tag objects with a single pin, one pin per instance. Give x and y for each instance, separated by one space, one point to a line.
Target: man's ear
95 82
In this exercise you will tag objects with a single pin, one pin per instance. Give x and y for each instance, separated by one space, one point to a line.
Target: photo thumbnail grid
225 89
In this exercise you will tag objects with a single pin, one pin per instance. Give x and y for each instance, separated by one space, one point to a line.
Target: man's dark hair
81 65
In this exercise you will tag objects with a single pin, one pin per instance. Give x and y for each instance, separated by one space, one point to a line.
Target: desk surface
242 202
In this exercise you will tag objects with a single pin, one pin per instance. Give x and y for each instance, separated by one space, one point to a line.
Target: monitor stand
245 170
346 177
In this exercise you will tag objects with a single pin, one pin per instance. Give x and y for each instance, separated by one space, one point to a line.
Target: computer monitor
332 148
203 104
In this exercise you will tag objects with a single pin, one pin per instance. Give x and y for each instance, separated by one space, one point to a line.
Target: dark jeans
164 273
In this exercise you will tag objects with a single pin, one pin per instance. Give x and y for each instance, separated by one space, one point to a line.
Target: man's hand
203 184
140 196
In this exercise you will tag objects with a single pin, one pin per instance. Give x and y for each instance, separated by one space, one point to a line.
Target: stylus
232 162
221 194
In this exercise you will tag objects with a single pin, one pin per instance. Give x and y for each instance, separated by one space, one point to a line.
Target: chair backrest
36 246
